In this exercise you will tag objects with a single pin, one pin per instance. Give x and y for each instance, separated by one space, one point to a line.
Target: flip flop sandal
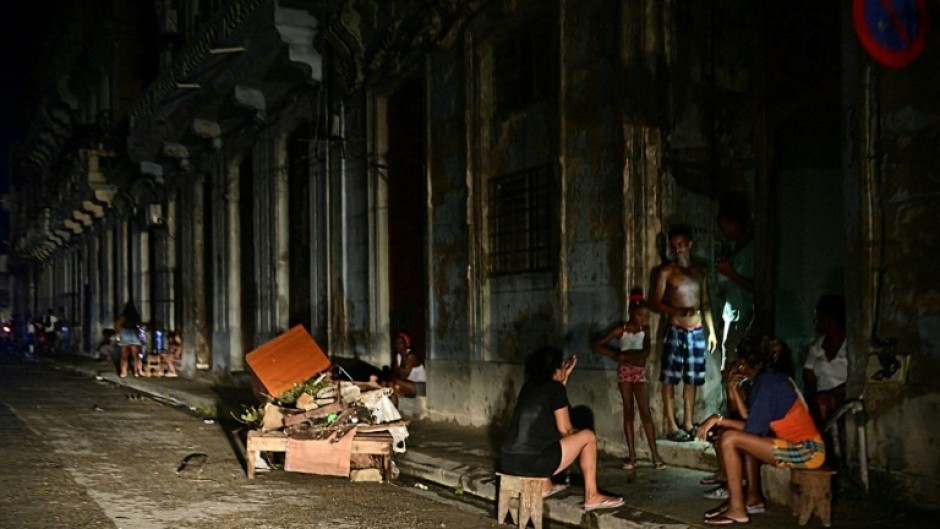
554 490
659 465
679 436
711 480
629 466
609 503
756 509
719 493
724 520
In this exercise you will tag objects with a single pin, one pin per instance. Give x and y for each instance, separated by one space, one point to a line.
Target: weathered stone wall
901 242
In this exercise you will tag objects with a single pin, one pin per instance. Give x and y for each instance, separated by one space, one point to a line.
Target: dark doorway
407 212
246 253
806 190
298 186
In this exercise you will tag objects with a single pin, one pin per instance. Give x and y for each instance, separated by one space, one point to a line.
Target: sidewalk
459 457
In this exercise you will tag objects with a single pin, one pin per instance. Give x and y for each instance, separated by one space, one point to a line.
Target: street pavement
462 459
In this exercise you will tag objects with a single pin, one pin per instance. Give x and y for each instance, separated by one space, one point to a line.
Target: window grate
521 207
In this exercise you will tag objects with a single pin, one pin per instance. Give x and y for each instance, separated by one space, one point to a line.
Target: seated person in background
826 369
408 376
541 441
779 430
174 353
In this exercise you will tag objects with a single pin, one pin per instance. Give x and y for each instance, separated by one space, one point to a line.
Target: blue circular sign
893 32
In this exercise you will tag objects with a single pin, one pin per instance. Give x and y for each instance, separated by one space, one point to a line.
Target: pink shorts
631 373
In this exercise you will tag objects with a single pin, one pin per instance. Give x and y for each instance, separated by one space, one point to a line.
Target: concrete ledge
565 508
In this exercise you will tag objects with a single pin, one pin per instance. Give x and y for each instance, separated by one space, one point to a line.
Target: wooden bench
522 498
373 444
812 492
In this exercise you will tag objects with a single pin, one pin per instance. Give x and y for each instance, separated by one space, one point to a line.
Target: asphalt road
83 453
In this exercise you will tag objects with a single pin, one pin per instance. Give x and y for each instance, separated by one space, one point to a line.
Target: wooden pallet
373 444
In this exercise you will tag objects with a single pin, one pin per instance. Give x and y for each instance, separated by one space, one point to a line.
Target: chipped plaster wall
483 394
351 231
898 235
500 319
450 269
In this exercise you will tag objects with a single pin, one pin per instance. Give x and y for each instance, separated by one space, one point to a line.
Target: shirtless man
681 293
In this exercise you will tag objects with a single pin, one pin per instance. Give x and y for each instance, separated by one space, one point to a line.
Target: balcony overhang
237 63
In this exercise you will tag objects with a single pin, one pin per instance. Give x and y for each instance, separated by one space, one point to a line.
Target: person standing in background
737 273
681 294
129 334
633 337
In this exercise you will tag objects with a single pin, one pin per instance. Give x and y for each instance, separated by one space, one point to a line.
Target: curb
564 508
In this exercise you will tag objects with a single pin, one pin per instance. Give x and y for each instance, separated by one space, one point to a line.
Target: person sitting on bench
174 353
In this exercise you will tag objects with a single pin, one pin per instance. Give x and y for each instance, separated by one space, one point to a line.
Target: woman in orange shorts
779 430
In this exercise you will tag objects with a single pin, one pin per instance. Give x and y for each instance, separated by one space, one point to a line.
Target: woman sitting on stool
541 440
174 353
779 430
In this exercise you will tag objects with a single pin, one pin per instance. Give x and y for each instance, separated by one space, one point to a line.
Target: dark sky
20 31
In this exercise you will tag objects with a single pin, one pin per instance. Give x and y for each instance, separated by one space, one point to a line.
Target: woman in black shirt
541 439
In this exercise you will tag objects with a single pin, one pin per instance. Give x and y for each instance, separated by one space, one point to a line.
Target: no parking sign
893 32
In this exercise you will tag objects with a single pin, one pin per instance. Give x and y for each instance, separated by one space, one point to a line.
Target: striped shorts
808 454
684 356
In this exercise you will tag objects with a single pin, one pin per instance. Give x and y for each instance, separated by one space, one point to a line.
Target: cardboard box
289 359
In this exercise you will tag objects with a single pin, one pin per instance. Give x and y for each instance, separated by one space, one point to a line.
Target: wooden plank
376 444
269 442
382 427
288 359
297 418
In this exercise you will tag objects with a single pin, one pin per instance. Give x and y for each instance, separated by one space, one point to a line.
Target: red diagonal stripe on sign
896 21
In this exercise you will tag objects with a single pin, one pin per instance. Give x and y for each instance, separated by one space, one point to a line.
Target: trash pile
322 424
322 408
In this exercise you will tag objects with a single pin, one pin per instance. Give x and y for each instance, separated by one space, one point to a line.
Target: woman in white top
408 374
826 368
633 338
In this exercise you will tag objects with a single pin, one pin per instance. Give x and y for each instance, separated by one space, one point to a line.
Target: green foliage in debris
250 415
311 386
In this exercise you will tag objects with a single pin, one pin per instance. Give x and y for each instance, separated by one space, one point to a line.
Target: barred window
521 209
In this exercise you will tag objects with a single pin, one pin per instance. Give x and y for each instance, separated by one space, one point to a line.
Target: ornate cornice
195 54
374 40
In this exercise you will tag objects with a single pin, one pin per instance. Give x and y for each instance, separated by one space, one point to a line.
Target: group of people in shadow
131 337
768 420
766 417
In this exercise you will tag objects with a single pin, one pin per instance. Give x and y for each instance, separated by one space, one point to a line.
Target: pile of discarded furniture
322 424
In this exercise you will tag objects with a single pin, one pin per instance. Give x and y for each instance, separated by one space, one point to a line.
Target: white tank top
630 341
418 374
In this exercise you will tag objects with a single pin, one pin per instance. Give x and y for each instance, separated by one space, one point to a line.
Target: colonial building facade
489 176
